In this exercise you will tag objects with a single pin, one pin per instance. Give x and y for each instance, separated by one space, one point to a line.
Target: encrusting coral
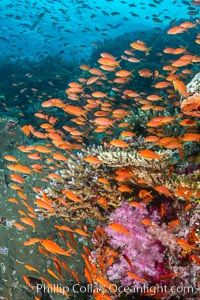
191 105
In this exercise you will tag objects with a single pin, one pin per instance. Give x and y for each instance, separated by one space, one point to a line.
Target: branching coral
91 182
153 172
81 177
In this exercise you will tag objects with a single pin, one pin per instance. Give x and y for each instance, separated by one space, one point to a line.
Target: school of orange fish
96 103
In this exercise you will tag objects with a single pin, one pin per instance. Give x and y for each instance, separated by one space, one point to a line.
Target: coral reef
80 177
93 181
194 85
191 105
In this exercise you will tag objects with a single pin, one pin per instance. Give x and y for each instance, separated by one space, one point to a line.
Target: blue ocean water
33 29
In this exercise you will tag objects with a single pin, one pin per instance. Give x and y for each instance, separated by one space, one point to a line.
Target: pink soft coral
146 255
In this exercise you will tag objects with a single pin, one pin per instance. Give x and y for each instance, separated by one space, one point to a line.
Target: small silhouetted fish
156 20
133 14
193 13
26 25
4 39
105 12
115 13
18 17
41 15
115 26
186 3
172 22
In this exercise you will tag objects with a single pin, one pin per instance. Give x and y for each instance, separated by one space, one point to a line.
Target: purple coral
146 255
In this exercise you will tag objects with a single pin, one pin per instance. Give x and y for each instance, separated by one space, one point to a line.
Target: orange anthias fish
123 175
180 87
104 122
119 228
30 268
17 178
168 276
124 188
149 154
185 245
81 232
20 168
52 273
31 241
28 221
144 193
75 275
10 158
26 279
174 223
188 122
88 275
136 277
195 258
74 110
72 196
44 204
147 222
92 159
191 137
162 209
53 102
103 282
119 143
163 190
158 121
162 84
53 247
19 226
140 46
136 204
109 61
123 73
63 227
176 30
